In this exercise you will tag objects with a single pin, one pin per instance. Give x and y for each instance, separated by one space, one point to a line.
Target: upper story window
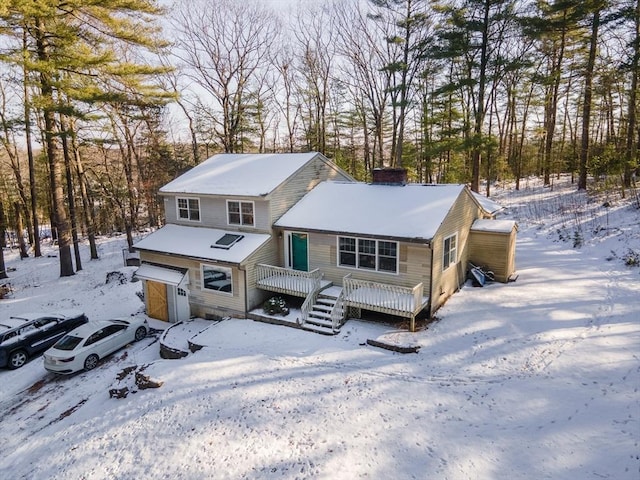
189 209
368 254
450 251
240 213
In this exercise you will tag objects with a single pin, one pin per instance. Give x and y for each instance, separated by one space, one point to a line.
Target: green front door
299 257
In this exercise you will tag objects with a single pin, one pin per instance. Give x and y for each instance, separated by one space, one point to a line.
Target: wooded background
103 102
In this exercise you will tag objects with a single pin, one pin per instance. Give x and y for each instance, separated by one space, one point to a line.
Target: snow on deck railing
307 306
338 312
287 280
384 298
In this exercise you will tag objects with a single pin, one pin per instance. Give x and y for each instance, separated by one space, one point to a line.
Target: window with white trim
189 209
240 213
450 251
387 256
347 251
368 254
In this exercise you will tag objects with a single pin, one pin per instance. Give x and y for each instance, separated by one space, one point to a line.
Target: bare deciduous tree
362 43
283 62
315 45
224 44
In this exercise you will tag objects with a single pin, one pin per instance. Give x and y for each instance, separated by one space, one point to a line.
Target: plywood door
157 306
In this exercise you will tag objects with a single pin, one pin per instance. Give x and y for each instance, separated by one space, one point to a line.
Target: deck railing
312 296
383 298
287 280
338 312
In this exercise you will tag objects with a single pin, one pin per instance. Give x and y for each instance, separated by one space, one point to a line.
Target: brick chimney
389 176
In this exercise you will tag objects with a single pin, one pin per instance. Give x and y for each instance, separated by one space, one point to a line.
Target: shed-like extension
492 244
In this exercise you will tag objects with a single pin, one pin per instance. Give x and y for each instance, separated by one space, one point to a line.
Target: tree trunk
631 146
551 102
59 215
403 86
70 193
3 229
523 129
88 212
32 169
20 230
479 113
586 109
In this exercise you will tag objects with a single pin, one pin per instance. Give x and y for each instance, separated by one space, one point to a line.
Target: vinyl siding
213 209
290 192
458 221
413 263
203 303
213 213
493 250
268 255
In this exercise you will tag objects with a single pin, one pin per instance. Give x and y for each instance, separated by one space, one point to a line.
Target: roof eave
414 240
189 257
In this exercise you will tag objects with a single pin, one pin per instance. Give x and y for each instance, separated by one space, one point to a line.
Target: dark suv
24 336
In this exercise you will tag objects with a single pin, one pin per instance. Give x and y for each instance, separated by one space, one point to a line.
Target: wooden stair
319 318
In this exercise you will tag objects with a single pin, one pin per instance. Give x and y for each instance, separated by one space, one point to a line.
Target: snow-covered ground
534 379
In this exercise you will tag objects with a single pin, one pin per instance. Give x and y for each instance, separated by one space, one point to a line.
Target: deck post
412 324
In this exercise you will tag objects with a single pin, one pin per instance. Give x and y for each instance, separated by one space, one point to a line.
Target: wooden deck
289 281
384 298
379 297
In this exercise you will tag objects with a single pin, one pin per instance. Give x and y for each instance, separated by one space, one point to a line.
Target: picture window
368 254
218 279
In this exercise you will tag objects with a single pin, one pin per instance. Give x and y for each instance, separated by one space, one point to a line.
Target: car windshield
68 342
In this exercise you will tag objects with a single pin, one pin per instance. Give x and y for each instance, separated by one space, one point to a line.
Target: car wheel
91 362
141 332
17 359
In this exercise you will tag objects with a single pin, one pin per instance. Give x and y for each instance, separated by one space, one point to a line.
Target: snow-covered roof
411 211
487 204
197 242
496 226
239 174
161 274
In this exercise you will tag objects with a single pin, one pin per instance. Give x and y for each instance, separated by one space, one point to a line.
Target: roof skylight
227 241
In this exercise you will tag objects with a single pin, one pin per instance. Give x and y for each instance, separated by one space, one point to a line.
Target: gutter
243 268
420 241
189 257
429 303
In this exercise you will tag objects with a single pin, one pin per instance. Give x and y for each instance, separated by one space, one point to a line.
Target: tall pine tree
70 45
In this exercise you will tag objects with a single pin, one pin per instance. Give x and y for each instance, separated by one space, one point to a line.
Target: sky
537 378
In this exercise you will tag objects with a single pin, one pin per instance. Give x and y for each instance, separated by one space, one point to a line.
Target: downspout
241 268
430 281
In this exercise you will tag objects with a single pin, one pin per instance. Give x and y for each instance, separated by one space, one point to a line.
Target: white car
82 348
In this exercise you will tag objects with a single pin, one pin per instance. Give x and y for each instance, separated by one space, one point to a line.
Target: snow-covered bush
276 306
631 258
116 277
